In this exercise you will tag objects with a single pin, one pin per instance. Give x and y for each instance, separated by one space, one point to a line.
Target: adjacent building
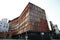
55 33
4 28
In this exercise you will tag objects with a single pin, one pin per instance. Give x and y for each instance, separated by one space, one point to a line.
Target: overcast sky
11 9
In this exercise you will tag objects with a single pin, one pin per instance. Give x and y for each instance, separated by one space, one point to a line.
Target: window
4 26
32 23
37 19
26 24
27 14
23 21
34 14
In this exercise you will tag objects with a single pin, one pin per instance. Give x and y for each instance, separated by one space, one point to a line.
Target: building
4 28
55 33
31 24
54 28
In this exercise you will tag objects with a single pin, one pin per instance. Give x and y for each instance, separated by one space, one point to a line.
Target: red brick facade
25 24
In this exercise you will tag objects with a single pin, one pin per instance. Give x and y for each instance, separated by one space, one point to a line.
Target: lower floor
32 35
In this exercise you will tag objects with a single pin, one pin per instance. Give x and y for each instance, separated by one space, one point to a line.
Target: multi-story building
4 28
55 33
54 28
32 23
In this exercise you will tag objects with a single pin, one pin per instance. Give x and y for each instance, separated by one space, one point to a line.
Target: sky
11 9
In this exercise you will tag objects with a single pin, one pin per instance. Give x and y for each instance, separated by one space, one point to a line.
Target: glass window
32 23
4 26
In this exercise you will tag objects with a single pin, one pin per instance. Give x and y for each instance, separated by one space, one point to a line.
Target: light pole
42 35
26 36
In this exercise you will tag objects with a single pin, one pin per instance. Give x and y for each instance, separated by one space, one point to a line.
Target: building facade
4 26
32 23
